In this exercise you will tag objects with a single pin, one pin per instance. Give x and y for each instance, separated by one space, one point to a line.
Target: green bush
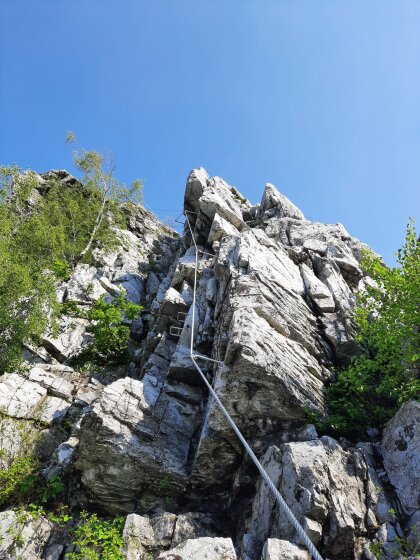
93 539
61 269
97 540
18 470
21 477
18 481
401 549
108 325
53 488
111 335
371 389
26 289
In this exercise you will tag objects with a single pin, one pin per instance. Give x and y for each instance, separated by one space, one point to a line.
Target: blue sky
321 98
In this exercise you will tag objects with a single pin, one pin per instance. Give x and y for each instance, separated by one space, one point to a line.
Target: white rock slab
204 548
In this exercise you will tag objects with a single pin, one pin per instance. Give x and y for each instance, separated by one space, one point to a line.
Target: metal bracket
175 331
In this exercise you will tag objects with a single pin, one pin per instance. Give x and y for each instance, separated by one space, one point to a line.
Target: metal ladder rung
175 331
181 316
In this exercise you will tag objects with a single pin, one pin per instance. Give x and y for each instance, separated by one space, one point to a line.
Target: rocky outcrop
204 548
144 241
276 549
331 492
43 404
30 394
273 305
36 408
401 456
135 441
142 535
146 536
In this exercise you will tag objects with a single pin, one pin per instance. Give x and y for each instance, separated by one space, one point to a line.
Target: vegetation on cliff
109 327
387 316
46 228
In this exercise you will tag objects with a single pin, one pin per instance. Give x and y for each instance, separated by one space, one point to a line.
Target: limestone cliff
273 305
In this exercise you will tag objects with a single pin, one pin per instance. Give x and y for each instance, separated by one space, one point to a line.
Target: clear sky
321 98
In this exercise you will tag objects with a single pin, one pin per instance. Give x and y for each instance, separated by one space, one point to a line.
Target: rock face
204 548
401 454
135 441
273 302
275 549
151 536
32 538
127 268
331 492
272 315
142 534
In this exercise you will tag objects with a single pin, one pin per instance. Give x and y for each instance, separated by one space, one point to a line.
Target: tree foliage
26 287
109 322
387 317
106 194
46 228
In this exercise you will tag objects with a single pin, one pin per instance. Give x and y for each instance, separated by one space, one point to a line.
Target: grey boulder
329 490
204 548
276 549
22 537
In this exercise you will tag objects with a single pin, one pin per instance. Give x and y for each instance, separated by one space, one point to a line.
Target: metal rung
157 258
175 331
205 253
201 357
182 316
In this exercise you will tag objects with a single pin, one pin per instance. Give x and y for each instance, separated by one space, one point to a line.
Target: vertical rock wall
273 303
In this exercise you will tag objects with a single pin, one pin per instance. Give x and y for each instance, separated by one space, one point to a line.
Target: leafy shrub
93 539
20 471
19 479
26 290
111 335
97 540
19 468
60 515
61 269
401 549
109 328
53 488
387 317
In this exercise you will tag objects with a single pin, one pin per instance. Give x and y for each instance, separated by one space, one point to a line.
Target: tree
108 192
26 288
387 317
46 228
